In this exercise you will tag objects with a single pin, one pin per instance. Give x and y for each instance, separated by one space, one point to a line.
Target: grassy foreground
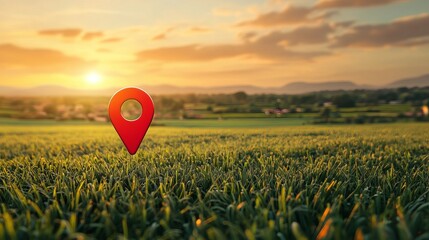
342 182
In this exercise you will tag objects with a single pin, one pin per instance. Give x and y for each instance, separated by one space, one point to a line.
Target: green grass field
296 182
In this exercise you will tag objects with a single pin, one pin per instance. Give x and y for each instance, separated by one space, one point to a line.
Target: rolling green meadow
239 181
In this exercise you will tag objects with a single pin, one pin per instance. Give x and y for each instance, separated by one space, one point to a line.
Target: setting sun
93 78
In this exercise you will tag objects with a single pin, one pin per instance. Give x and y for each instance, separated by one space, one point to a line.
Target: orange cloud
248 36
266 49
408 31
271 47
66 32
163 35
304 35
199 29
111 40
92 35
160 36
289 16
15 57
72 33
353 3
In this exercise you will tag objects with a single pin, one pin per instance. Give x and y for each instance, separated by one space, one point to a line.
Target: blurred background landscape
229 109
280 62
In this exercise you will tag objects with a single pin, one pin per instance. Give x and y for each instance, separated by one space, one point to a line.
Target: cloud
414 43
402 32
353 3
16 57
111 40
248 36
267 47
198 29
92 35
291 15
158 37
66 32
163 35
72 33
304 35
194 53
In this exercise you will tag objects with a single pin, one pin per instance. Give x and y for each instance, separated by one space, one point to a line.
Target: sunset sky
99 44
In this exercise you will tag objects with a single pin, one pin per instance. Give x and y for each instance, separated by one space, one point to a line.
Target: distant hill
421 81
291 88
305 87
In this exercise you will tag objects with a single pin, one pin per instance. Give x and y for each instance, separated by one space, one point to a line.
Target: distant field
20 122
390 108
199 111
235 123
296 182
202 123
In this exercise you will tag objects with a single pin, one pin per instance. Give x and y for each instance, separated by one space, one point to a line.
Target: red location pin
131 132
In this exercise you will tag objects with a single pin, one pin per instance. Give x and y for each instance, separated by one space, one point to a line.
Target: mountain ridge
298 87
419 81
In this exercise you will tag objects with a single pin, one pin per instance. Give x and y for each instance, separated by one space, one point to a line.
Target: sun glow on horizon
93 78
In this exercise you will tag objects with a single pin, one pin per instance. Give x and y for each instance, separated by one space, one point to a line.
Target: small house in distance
277 112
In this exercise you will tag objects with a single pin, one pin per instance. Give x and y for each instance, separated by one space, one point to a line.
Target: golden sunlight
93 78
